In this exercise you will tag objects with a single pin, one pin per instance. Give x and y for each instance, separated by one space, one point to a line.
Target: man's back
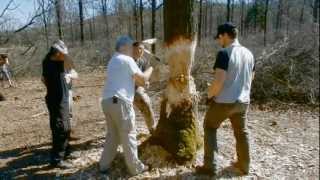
120 82
240 67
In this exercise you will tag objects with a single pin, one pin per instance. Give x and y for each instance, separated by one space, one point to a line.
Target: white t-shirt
119 80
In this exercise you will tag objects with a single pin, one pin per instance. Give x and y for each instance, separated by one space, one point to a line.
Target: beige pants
143 103
121 130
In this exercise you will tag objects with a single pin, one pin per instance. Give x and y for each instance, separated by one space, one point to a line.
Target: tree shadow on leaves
33 161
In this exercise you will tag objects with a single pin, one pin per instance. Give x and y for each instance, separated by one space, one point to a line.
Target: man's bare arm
142 79
217 84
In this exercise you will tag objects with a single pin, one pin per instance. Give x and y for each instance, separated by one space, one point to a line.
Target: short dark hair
137 44
228 28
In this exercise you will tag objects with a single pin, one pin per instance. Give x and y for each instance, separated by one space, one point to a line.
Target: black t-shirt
222 61
53 73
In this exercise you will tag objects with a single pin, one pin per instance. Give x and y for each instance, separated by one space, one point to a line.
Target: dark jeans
60 129
217 113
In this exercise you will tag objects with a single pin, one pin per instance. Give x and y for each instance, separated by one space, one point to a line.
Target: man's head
124 45
59 51
138 50
226 34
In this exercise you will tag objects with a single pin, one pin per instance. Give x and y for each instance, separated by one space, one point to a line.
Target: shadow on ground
33 161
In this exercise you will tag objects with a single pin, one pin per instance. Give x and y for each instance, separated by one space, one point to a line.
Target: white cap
61 46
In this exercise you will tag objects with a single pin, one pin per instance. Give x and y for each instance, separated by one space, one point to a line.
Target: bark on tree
205 22
200 21
243 2
59 7
265 23
177 130
279 15
288 17
302 14
232 10
44 20
81 18
104 7
255 18
141 20
211 17
315 11
153 24
228 10
135 17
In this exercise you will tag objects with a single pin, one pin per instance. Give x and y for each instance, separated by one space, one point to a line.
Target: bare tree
279 15
135 17
81 18
153 23
59 6
315 11
242 18
141 20
200 21
45 20
228 10
265 24
104 8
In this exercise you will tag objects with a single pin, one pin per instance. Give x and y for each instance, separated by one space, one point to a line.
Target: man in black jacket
57 100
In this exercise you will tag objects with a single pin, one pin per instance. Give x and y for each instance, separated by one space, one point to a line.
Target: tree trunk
232 10
200 21
135 17
242 18
141 20
211 17
81 21
288 17
58 6
315 11
104 7
279 15
177 130
228 10
153 24
205 22
45 21
265 23
255 16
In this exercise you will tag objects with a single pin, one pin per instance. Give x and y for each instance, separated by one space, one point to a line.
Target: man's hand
142 79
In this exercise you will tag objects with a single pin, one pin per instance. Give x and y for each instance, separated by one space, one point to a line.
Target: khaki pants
217 113
121 129
143 103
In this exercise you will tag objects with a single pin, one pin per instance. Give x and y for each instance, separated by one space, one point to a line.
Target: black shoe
205 170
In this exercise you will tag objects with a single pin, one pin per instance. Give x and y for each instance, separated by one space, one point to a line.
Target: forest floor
284 140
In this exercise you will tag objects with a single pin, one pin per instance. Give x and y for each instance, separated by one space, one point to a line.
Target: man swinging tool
141 99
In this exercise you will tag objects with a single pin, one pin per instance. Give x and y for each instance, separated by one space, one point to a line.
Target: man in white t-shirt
122 76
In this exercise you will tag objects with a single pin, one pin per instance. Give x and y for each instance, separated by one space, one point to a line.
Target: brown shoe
205 170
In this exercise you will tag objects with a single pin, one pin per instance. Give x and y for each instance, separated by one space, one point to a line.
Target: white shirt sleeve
133 67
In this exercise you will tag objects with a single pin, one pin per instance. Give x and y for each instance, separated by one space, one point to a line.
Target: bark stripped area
177 129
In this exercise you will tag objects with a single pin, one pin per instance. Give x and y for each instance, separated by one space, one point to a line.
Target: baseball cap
61 47
122 41
225 28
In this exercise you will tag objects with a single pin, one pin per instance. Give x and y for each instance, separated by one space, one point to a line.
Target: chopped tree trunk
177 130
